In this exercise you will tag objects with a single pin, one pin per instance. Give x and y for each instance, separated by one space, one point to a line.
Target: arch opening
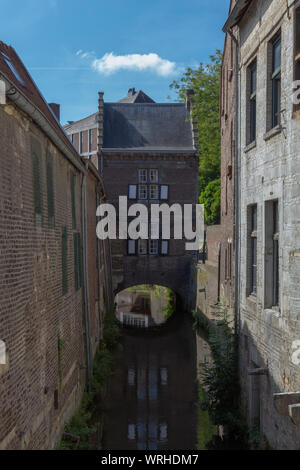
145 305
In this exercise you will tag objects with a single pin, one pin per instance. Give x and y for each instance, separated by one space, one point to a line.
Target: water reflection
152 396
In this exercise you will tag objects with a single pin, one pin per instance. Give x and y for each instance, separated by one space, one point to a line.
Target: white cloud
111 63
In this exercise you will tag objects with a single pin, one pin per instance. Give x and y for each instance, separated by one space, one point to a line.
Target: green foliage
205 429
205 83
84 423
170 308
220 378
211 198
200 321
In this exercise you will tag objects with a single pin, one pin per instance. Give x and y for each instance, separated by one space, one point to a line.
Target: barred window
153 176
153 247
143 193
143 176
154 191
142 247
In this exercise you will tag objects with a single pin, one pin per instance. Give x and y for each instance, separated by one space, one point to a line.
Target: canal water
152 397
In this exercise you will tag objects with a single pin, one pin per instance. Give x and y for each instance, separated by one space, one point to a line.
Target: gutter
40 119
236 190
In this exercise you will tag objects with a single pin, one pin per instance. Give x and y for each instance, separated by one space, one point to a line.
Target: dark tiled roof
136 97
159 126
25 84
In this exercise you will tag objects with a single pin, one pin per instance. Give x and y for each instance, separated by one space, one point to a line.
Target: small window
153 176
164 192
271 254
143 176
252 246
143 193
252 102
164 247
90 139
131 247
12 68
153 247
142 247
276 81
153 191
132 191
80 142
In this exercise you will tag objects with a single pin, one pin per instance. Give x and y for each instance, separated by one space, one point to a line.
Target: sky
73 49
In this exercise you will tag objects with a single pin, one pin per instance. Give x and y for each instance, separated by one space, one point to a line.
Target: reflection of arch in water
143 305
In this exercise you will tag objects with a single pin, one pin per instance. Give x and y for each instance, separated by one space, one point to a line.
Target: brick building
51 301
148 152
267 34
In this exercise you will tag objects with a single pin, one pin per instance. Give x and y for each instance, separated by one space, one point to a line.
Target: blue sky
73 49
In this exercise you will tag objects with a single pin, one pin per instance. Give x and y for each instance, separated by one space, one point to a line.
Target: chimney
189 98
131 92
56 110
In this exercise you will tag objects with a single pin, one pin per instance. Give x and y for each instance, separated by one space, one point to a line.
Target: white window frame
144 188
153 247
143 176
156 194
142 247
153 175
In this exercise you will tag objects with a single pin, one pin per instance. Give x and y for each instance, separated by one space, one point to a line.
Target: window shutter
72 182
164 247
131 247
132 191
36 173
64 260
164 192
50 190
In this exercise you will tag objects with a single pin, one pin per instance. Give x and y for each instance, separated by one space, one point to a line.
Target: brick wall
42 381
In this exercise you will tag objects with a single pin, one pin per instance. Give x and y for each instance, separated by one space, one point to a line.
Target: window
153 191
132 191
131 247
252 102
252 249
276 81
80 142
153 247
164 247
297 49
271 254
12 68
77 260
72 183
153 176
64 260
36 173
50 191
164 192
72 138
142 247
143 193
143 176
228 261
90 139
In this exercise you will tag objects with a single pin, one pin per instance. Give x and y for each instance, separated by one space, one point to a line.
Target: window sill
250 146
252 298
275 311
272 132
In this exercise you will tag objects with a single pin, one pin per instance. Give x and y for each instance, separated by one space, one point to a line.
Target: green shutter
73 200
36 173
50 191
64 260
77 260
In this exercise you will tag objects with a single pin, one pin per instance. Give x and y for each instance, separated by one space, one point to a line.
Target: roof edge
236 14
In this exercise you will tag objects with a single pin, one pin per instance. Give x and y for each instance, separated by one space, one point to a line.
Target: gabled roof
13 69
147 126
236 14
136 97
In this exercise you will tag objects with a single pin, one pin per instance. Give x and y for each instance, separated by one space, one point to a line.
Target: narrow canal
152 397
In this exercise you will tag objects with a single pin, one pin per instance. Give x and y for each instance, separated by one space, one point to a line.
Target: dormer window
12 68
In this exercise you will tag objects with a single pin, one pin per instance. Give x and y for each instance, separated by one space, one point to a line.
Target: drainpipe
236 191
85 283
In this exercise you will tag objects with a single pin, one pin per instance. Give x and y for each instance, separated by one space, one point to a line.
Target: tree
205 83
